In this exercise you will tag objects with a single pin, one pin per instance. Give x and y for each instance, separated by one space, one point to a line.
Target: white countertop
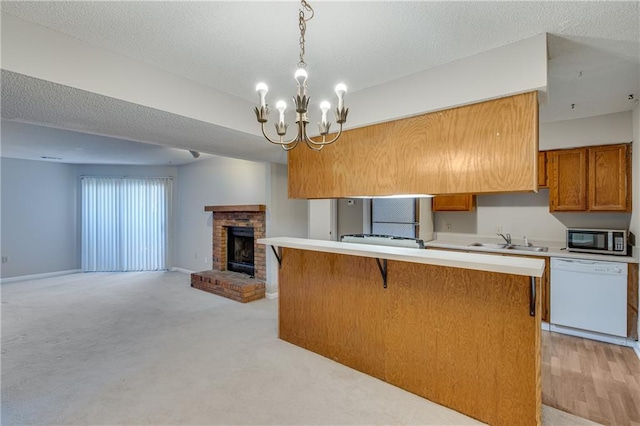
553 251
476 261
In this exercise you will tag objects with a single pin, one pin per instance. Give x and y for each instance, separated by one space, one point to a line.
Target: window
394 216
125 223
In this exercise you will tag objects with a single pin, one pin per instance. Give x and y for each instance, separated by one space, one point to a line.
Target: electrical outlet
447 227
5 259
498 229
205 260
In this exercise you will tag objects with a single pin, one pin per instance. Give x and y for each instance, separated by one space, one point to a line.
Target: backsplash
523 214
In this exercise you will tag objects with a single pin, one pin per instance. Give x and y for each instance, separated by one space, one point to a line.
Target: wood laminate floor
594 380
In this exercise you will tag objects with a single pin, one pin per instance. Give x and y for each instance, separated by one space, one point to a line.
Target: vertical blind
125 223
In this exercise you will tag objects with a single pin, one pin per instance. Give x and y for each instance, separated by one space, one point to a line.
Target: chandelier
301 101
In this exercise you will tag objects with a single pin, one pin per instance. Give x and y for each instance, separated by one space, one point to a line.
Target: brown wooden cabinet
454 203
543 181
609 178
596 178
488 147
568 180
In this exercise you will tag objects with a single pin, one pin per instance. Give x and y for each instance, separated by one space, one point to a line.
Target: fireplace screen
240 249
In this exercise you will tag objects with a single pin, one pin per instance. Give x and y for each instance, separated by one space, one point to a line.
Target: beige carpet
145 348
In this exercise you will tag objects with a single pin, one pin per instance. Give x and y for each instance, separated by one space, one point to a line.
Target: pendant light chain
302 24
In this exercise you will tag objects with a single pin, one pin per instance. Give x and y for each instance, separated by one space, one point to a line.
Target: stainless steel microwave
601 241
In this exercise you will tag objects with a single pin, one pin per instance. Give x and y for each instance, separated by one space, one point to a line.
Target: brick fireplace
234 285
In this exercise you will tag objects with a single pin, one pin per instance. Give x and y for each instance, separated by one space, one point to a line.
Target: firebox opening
240 250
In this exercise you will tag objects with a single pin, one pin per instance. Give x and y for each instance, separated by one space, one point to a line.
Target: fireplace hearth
240 249
238 262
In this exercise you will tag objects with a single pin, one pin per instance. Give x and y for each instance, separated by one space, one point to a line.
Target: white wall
323 219
507 70
39 233
426 219
599 130
219 181
528 214
285 217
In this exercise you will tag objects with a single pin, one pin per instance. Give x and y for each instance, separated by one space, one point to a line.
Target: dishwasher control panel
589 266
609 270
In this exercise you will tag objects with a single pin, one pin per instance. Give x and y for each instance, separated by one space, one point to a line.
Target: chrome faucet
507 238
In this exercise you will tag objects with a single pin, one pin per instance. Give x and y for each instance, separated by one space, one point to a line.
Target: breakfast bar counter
460 329
480 262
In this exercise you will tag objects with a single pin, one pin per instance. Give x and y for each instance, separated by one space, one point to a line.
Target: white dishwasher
589 295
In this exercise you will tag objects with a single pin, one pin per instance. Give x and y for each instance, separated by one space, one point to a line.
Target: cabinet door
542 170
454 203
568 180
608 178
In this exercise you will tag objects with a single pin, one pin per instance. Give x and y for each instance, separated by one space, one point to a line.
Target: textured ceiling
594 53
79 148
62 107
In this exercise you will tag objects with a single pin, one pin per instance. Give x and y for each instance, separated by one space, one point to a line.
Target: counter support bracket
278 254
532 297
383 271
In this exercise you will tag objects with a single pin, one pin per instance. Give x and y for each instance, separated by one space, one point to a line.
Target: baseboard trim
607 338
38 276
637 349
272 295
545 326
184 271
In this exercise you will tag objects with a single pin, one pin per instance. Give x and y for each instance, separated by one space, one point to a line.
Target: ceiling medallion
301 101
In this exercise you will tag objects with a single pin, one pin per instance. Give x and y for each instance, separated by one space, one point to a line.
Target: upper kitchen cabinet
594 179
567 180
609 178
543 181
454 203
488 147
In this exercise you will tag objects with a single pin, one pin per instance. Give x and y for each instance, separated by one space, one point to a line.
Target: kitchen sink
509 247
492 246
527 248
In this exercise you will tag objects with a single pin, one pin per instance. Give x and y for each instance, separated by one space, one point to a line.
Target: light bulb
301 76
282 107
262 90
324 107
341 89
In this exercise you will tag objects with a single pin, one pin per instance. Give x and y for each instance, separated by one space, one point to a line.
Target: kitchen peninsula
460 329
